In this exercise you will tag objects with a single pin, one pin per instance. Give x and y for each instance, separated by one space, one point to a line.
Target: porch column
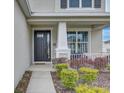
62 49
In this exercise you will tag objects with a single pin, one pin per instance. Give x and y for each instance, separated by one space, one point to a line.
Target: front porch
69 37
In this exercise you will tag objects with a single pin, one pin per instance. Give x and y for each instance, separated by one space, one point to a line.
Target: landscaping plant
87 74
59 68
17 91
69 78
100 62
87 89
108 67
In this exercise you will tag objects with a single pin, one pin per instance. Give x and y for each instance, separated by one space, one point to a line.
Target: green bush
86 89
81 89
87 74
108 67
69 78
17 91
100 90
59 68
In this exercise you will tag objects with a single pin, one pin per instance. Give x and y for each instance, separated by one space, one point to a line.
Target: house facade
47 29
106 46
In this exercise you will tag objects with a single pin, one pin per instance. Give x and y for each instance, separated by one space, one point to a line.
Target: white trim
89 41
79 29
29 8
96 20
93 4
80 4
34 29
67 4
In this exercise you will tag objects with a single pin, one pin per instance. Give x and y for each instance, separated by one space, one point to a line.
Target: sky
106 33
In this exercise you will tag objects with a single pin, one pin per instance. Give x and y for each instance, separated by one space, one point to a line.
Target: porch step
41 67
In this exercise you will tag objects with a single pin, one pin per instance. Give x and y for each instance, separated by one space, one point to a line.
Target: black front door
42 45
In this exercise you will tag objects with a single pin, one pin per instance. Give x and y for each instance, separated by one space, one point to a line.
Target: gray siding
22 44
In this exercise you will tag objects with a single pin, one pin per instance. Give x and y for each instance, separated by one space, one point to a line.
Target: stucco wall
106 47
53 6
42 5
22 44
54 40
85 10
96 41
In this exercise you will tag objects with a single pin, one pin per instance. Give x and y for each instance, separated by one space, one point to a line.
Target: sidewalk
41 82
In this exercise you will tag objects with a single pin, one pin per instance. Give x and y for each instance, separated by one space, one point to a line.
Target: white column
62 49
107 5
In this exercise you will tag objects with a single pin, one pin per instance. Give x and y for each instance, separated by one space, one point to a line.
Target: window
78 42
80 4
97 3
73 3
86 3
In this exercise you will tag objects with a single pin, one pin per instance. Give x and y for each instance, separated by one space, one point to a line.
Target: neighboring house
106 46
45 29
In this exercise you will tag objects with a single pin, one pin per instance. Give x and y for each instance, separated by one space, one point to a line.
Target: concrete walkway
41 80
45 67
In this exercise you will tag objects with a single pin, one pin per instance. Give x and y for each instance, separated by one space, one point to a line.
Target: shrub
69 78
59 68
87 74
100 90
81 89
86 89
17 91
100 62
108 67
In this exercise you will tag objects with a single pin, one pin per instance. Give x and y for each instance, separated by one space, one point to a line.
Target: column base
60 53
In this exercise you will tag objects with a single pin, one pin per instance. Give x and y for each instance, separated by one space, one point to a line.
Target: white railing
98 60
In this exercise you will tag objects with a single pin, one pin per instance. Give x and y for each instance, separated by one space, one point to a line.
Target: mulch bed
103 80
23 83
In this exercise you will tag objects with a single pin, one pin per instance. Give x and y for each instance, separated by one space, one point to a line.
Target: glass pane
72 47
82 36
73 3
86 3
39 35
82 48
71 36
97 3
